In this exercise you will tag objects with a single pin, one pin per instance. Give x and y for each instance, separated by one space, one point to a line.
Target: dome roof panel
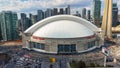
63 29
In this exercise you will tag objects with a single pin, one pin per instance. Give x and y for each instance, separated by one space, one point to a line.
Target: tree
92 65
81 64
73 64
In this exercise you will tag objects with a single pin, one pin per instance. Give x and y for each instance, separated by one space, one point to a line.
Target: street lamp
106 52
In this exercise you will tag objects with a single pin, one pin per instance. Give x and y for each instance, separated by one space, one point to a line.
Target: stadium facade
62 34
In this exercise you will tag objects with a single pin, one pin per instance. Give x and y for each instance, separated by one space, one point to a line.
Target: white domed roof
62 26
63 29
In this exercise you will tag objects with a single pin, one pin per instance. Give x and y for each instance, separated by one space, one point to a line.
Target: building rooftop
62 26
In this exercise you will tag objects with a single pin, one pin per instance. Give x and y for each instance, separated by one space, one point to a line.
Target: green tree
81 64
73 64
92 65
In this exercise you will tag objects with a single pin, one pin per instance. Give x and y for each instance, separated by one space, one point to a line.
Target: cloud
22 5
33 5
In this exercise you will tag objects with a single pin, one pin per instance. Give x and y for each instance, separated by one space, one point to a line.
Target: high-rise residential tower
88 15
61 11
0 33
34 19
84 13
96 12
9 25
67 10
49 12
114 15
55 11
24 22
40 15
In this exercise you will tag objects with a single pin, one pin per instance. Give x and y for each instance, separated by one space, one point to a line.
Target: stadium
62 34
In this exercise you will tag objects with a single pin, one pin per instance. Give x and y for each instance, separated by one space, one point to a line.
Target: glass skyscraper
55 11
61 11
24 22
84 13
0 32
9 25
115 15
50 12
40 15
88 15
34 19
67 10
96 12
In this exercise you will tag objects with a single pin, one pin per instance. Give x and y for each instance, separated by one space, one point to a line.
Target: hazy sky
31 6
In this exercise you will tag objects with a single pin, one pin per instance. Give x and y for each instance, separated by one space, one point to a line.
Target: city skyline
59 33
30 6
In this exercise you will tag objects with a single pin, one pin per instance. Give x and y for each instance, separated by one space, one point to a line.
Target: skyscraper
30 16
8 25
55 11
14 26
114 15
50 12
88 15
24 22
61 11
96 12
0 32
34 19
67 10
40 15
84 13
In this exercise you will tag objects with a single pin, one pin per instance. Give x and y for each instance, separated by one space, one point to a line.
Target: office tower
55 11
84 13
96 12
0 32
61 11
24 22
88 15
40 15
23 15
34 19
107 20
114 15
8 25
30 16
67 10
49 12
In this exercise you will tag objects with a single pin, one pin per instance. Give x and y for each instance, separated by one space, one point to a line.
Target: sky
31 6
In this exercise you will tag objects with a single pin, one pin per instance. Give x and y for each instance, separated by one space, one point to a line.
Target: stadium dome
61 31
